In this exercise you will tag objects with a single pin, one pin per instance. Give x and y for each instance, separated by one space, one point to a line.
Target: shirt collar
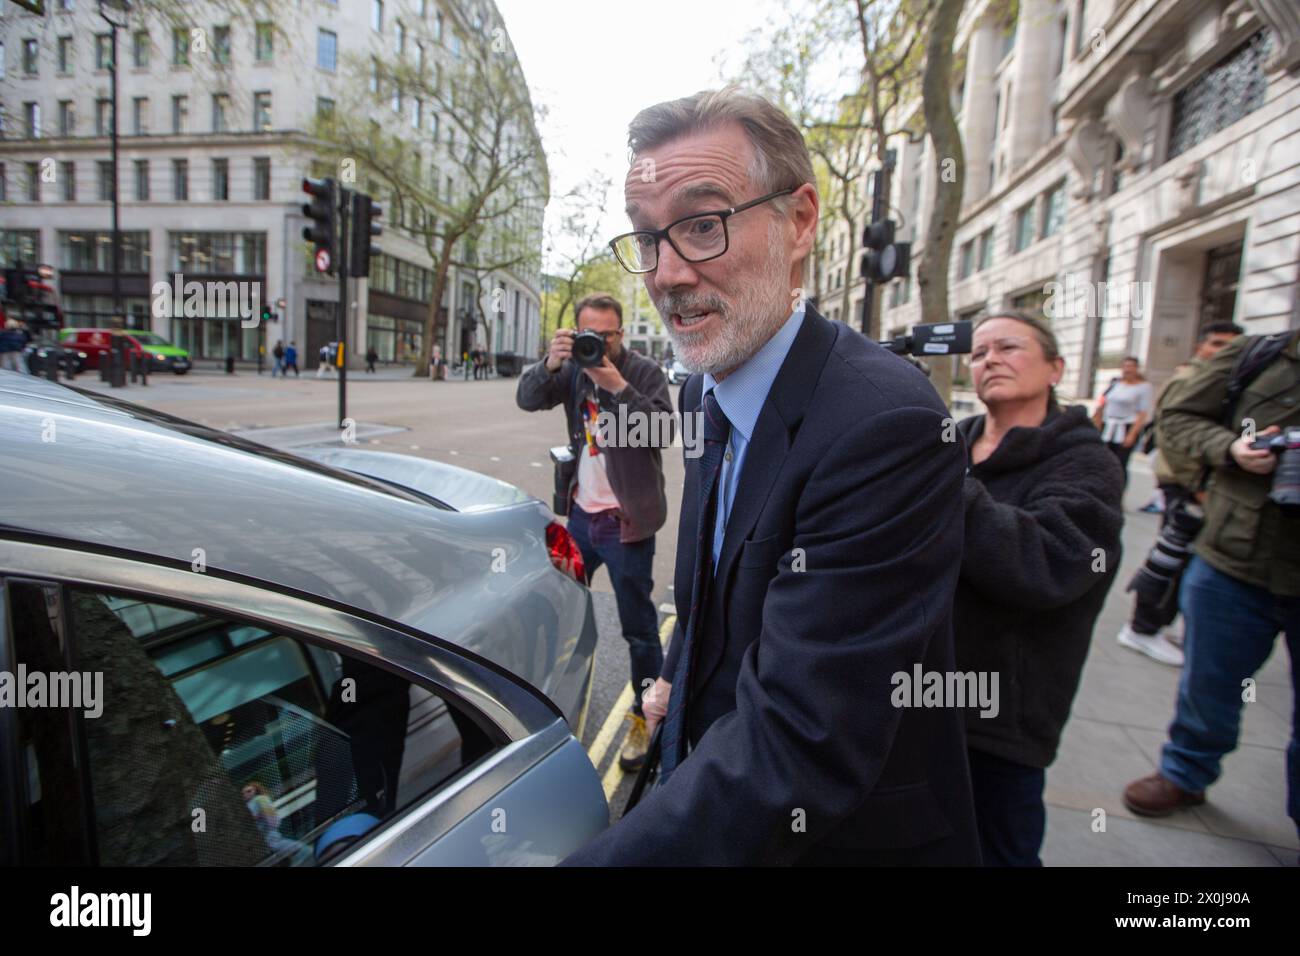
742 393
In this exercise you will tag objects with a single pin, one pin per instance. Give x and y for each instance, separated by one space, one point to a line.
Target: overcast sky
595 63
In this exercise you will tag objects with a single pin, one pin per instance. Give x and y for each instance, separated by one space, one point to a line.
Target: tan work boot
635 744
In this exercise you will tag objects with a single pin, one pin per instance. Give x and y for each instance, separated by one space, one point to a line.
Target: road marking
617 717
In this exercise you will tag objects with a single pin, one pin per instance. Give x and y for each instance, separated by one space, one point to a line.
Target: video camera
933 338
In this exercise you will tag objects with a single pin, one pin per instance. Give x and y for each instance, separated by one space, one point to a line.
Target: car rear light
565 553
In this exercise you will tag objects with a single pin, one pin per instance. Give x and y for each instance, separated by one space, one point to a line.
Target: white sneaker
1173 637
1153 646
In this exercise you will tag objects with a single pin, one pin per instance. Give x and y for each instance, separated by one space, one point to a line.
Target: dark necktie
716 430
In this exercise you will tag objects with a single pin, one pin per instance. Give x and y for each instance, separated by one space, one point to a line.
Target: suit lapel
774 433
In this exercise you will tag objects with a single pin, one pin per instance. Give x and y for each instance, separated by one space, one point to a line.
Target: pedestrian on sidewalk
278 354
371 358
1178 480
1242 587
291 359
1043 521
617 493
324 369
1124 408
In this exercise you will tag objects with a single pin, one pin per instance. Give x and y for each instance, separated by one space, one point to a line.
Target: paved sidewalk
1117 727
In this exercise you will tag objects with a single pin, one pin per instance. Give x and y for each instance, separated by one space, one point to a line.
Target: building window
221 180
262 110
401 38
223 253
103 117
437 26
180 113
142 179
1080 26
967 258
374 76
180 46
103 51
180 179
68 173
140 115
327 50
1232 88
107 187
67 55
986 249
261 178
264 41
93 251
1053 211
220 112
377 15
1023 235
221 45
140 48
67 118
417 114
33 182
31 57
324 107
32 119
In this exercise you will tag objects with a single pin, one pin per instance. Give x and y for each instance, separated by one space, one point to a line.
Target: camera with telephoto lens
588 348
1155 582
1286 477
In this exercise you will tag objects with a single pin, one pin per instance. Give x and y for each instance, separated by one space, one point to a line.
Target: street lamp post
124 7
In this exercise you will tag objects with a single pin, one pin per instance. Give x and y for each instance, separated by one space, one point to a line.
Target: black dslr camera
588 348
1156 581
1286 477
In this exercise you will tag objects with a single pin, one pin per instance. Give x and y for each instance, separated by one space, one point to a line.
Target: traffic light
323 212
364 228
267 314
884 259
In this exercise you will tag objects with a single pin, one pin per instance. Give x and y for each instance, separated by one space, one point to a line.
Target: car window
48 789
225 743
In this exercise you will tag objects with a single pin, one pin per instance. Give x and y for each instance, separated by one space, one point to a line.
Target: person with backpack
291 359
1123 410
1178 479
1242 587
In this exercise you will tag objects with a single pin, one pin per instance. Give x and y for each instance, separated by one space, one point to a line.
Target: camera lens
588 349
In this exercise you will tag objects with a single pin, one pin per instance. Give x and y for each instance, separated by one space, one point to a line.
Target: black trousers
1123 455
1009 810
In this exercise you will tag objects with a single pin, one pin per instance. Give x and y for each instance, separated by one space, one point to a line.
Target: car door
213 721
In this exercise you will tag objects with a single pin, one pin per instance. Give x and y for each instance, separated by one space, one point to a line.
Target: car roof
102 473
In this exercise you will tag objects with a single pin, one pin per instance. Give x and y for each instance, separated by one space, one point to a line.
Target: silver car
252 658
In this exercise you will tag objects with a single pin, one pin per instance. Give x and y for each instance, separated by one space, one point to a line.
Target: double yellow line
614 722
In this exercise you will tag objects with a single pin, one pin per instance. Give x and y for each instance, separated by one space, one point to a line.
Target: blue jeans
1230 628
1009 810
631 569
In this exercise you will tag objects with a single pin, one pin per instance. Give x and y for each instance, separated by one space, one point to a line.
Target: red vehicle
161 354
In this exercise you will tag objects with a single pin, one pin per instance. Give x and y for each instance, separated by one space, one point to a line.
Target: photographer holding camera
1243 585
614 497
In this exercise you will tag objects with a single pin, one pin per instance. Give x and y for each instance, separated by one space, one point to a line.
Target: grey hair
1043 334
781 157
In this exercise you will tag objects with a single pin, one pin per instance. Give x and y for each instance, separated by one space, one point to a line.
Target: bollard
52 366
230 365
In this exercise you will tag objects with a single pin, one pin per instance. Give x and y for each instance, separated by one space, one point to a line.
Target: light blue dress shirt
741 396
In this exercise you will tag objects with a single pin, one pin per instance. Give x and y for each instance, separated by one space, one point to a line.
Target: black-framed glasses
698 237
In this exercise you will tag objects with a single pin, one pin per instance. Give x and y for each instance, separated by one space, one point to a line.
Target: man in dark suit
820 537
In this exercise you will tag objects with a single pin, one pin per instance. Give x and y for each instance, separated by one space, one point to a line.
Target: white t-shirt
1124 402
594 490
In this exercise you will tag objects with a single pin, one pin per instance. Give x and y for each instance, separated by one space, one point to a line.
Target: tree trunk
936 87
431 317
